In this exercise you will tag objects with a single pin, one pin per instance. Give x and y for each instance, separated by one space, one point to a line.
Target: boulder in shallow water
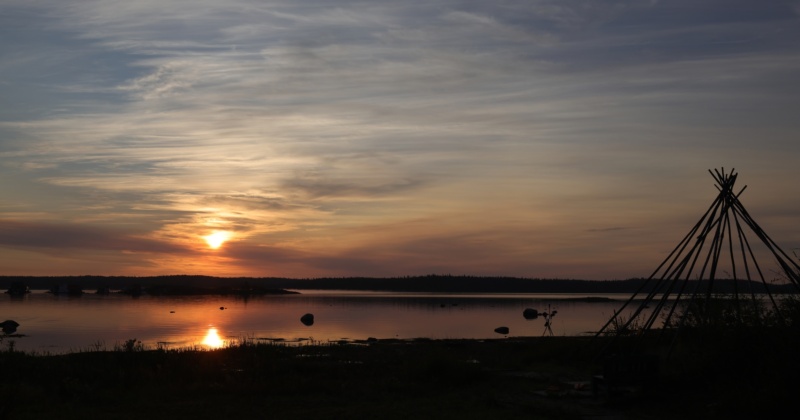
307 319
9 326
530 313
501 330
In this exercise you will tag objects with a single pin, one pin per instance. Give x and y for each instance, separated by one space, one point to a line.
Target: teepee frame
689 275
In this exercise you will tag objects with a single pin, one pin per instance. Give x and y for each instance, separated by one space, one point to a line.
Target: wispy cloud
292 123
81 237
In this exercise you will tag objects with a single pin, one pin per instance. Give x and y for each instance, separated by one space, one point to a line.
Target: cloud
80 237
164 81
288 122
320 188
245 202
609 229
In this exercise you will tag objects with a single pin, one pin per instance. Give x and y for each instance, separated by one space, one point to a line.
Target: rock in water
9 326
307 320
501 330
530 313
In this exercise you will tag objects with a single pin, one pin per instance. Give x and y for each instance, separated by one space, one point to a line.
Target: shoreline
427 283
510 378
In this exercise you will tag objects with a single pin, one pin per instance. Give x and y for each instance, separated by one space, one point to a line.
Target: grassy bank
531 378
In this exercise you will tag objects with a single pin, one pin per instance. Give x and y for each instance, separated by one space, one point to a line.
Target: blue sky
565 139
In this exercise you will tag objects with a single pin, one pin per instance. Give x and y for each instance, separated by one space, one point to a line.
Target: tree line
432 283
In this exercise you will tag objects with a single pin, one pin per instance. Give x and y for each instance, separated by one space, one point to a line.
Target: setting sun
212 339
217 238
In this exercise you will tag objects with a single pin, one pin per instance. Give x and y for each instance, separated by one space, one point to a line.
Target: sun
217 238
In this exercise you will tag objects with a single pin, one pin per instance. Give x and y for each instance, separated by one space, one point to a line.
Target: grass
391 379
388 379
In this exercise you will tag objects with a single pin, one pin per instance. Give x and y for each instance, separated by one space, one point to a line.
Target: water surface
58 324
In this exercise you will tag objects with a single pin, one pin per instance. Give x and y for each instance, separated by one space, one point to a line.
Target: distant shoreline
192 284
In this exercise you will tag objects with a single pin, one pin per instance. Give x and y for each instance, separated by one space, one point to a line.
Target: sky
540 138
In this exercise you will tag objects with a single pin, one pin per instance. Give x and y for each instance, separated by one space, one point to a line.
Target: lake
58 324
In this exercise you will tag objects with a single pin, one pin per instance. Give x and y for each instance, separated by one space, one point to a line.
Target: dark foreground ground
530 378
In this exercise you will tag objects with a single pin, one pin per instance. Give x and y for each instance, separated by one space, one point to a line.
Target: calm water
58 324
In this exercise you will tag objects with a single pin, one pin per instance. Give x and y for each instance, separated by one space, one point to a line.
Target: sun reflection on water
212 339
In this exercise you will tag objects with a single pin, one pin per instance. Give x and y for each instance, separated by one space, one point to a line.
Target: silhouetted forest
191 284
